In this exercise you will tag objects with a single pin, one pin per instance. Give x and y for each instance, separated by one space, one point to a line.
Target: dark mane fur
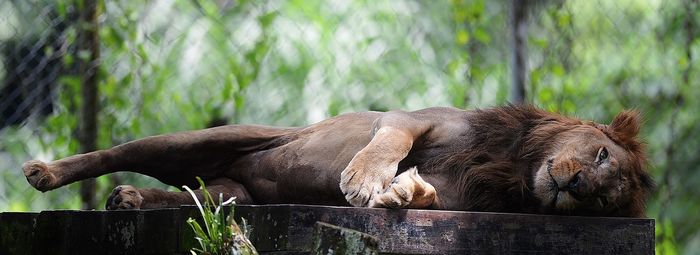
494 171
623 130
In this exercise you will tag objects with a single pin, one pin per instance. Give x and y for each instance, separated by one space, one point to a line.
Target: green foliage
666 242
221 234
168 66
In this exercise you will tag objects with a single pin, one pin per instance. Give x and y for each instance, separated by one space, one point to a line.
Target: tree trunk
89 42
518 25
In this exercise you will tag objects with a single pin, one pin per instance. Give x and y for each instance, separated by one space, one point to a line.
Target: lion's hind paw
124 197
39 175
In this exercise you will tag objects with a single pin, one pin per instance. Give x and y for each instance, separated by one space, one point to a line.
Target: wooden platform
288 229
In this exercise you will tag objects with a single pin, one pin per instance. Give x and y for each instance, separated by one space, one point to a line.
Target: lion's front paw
39 175
359 185
408 190
394 196
124 197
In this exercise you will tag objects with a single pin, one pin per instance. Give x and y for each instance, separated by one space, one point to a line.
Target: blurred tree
173 65
88 70
518 51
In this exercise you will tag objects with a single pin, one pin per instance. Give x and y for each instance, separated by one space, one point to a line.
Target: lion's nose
571 184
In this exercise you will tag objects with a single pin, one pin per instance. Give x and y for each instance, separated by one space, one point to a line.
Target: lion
513 158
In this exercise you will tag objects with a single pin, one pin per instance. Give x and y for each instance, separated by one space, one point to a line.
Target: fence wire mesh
173 65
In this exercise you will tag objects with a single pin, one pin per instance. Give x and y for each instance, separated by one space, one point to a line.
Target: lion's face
588 173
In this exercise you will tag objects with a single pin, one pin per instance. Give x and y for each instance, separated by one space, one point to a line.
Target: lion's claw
358 192
357 197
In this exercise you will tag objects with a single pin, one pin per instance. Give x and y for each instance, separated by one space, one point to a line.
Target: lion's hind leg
407 190
128 197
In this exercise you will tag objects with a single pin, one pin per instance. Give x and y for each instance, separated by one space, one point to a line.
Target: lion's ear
626 125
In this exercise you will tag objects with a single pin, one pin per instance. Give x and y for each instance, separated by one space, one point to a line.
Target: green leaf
482 36
462 37
558 70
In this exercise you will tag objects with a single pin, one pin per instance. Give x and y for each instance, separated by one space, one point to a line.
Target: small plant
221 234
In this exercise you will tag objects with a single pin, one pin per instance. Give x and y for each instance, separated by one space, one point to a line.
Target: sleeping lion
514 158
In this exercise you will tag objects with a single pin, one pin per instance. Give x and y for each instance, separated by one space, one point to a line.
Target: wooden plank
451 232
331 239
270 226
121 231
288 229
86 226
17 233
52 233
160 231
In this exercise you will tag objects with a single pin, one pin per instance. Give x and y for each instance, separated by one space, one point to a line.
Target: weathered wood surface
285 229
449 232
331 239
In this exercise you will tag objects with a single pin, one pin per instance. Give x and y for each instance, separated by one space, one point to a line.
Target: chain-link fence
32 48
171 65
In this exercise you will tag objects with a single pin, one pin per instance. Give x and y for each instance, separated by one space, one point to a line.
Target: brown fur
624 130
505 159
495 171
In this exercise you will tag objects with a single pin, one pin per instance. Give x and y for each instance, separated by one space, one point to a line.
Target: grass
220 234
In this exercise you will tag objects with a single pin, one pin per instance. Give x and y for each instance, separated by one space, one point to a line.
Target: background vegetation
172 65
